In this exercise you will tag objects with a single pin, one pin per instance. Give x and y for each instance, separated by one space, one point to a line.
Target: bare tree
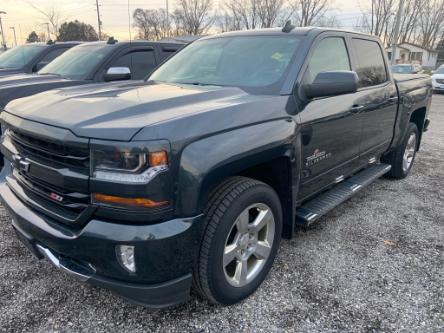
431 22
152 24
49 15
409 20
227 22
309 12
422 21
244 11
268 12
193 16
253 14
378 20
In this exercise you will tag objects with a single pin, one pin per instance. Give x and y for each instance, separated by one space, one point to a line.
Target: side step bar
315 208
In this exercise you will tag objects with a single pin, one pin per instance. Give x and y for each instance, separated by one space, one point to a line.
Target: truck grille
55 183
50 153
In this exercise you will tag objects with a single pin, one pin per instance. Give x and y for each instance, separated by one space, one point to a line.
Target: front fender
206 162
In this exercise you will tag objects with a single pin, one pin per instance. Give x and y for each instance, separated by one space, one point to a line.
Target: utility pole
396 31
1 29
99 22
47 28
15 37
167 21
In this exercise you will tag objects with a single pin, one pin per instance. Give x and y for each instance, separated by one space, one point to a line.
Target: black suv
93 62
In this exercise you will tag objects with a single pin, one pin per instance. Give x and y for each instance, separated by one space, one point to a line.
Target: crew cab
31 58
193 176
94 62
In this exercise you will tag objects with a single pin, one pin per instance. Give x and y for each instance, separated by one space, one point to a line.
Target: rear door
331 130
378 97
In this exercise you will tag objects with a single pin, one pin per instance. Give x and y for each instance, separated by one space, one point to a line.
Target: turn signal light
158 158
133 202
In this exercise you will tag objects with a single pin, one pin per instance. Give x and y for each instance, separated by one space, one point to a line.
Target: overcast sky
114 14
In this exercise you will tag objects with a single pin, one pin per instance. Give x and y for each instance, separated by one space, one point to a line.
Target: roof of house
389 48
419 46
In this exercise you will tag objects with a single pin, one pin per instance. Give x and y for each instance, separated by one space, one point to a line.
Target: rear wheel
244 225
402 158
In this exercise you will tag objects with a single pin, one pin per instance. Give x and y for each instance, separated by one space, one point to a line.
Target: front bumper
165 252
438 86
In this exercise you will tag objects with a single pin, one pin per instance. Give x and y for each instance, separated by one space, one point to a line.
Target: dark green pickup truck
192 176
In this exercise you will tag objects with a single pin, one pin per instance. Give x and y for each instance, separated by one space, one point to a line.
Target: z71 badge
317 157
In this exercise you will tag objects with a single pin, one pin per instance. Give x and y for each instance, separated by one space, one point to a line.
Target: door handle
393 98
357 108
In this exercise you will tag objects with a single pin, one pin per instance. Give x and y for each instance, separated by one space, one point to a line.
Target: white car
438 80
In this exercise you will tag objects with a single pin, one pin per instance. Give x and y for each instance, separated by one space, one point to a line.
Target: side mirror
332 83
117 74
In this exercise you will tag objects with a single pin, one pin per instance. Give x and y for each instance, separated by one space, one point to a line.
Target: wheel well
418 118
277 174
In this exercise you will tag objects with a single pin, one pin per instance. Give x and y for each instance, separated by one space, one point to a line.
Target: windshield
402 69
439 71
78 62
19 56
249 62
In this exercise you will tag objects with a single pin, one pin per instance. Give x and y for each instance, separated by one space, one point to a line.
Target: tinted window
78 62
19 56
167 52
142 63
251 62
370 63
330 55
122 61
52 55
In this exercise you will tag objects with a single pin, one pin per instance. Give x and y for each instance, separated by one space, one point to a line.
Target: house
407 53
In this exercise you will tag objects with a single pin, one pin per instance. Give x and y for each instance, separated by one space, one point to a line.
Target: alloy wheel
409 152
248 244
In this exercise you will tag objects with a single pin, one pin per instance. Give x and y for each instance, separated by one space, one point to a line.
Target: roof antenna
288 26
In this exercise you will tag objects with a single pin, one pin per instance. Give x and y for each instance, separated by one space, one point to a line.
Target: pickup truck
192 177
87 63
30 58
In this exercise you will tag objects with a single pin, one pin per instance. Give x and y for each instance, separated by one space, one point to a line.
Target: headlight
130 175
132 164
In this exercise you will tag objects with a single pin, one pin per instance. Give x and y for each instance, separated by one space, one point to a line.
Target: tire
223 274
406 151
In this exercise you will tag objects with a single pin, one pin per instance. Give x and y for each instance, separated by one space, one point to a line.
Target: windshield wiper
201 84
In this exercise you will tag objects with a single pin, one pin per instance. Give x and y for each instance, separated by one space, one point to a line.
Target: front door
331 127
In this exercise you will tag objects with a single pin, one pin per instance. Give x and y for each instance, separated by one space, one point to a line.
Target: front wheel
402 158
244 225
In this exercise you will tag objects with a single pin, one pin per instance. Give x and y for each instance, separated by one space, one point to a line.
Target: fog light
125 256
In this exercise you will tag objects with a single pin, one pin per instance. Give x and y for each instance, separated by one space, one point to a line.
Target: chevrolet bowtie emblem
21 163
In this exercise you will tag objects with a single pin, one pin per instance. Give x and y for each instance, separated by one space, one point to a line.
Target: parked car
30 58
438 80
90 63
407 69
195 174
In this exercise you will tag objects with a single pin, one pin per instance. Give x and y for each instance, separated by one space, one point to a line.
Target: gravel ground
373 264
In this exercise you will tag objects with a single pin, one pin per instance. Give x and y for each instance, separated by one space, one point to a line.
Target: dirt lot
373 264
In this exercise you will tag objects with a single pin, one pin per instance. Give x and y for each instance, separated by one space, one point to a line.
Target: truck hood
25 79
117 111
22 85
10 71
